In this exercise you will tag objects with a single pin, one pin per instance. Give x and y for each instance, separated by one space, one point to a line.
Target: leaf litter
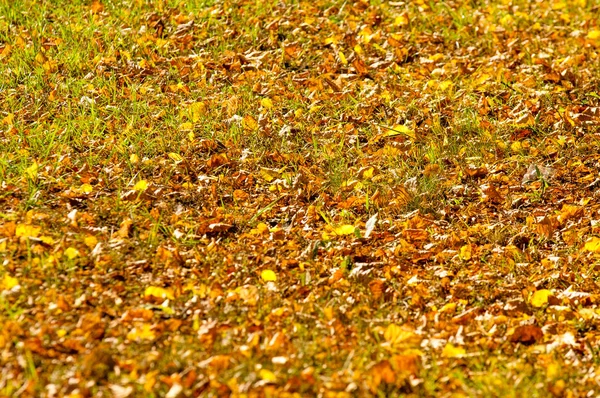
274 198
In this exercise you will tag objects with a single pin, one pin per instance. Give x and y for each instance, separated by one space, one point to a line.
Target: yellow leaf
158 292
86 188
451 351
11 116
47 240
133 158
346 229
197 110
32 171
446 84
269 174
141 185
401 20
342 58
400 129
71 253
26 230
592 245
593 35
268 275
516 146
249 123
143 333
448 308
90 241
395 334
176 157
186 126
266 103
465 252
9 282
540 297
267 375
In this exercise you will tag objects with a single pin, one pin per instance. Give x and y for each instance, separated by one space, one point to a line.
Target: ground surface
299 198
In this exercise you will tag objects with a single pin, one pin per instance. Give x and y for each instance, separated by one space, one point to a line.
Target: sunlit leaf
158 292
466 252
593 245
540 297
8 282
452 351
186 126
26 230
71 253
267 375
141 185
86 188
268 275
32 171
395 334
176 157
266 103
345 229
144 332
90 241
196 110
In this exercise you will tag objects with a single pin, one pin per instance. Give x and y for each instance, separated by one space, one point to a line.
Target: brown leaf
526 334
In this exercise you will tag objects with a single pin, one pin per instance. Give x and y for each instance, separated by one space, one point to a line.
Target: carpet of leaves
295 198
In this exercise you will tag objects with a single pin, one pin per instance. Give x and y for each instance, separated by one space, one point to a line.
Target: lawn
293 198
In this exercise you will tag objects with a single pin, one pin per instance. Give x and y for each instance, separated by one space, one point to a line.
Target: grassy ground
289 198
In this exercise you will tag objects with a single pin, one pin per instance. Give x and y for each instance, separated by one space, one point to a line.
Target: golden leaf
175 156
8 282
143 333
71 253
141 185
26 230
593 245
452 351
266 103
540 297
267 375
268 275
158 292
346 229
